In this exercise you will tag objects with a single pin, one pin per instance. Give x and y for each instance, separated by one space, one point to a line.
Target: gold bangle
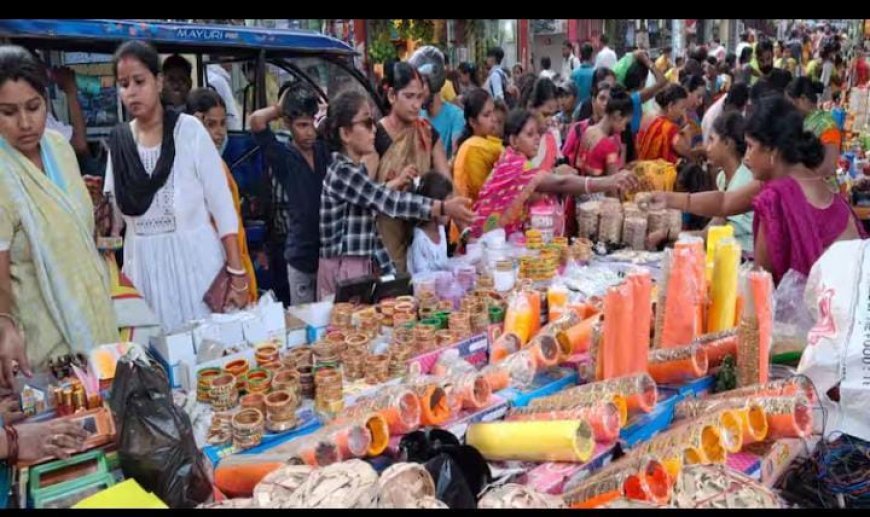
12 319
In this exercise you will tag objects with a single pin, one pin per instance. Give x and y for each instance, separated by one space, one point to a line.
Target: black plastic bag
421 446
460 472
156 445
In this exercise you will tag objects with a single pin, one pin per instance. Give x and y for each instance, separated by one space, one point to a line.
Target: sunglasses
368 123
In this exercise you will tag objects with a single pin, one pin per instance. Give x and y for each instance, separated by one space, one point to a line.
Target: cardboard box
174 351
296 330
267 322
316 318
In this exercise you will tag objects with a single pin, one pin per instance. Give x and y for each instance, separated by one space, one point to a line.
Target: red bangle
11 445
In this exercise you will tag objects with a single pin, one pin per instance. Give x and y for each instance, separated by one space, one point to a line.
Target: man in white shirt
219 79
717 50
569 60
735 100
546 73
497 80
744 42
606 57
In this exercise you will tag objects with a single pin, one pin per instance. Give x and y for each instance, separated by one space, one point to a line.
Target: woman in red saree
515 183
662 139
601 152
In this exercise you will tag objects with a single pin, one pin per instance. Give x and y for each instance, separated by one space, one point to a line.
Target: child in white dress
428 251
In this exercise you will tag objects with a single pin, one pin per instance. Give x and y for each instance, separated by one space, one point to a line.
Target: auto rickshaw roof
103 36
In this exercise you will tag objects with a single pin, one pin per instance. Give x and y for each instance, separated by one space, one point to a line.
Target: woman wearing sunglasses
350 245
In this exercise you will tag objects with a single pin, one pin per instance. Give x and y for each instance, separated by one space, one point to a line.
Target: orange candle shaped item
677 365
680 324
641 284
699 266
610 345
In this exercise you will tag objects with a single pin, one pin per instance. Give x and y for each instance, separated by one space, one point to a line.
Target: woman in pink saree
516 183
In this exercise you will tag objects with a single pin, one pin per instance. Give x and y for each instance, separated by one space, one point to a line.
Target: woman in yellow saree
54 291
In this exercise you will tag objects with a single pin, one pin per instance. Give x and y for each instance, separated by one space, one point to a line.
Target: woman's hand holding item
13 351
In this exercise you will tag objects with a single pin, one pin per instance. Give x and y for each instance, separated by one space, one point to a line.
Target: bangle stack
280 411
258 380
247 428
239 369
203 383
224 392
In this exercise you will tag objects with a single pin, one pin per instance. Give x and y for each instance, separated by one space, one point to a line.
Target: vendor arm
577 185
712 203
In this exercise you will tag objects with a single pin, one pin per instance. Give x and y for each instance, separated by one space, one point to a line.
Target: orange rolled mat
637 392
351 440
718 346
399 406
472 389
787 417
380 434
652 484
545 350
636 477
505 345
797 384
677 365
753 419
318 452
578 338
497 377
239 480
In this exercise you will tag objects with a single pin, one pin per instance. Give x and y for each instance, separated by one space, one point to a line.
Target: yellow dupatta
56 215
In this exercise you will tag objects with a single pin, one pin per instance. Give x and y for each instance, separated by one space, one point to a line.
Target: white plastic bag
793 319
838 346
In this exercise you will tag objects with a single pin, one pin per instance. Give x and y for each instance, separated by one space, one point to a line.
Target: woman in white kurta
177 243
